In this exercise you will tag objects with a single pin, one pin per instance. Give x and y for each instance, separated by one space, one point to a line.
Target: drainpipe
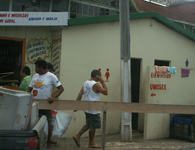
126 124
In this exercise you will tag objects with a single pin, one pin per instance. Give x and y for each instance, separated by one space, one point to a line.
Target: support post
10 5
104 130
126 124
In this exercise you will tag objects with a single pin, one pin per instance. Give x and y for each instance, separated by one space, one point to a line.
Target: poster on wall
38 49
56 53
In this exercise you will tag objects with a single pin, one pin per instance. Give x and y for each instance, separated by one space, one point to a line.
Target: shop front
26 37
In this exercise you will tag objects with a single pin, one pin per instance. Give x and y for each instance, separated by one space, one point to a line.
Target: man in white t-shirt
41 86
91 91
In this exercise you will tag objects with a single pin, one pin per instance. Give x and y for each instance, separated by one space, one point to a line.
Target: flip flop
94 146
77 142
53 142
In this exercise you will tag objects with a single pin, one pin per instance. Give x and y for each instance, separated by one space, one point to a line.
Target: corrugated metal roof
184 12
169 3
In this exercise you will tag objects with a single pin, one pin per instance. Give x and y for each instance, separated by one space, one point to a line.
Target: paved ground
113 143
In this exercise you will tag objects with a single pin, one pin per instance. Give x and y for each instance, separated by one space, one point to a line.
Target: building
155 40
76 46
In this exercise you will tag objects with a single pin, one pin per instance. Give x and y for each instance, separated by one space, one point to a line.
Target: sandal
94 146
77 142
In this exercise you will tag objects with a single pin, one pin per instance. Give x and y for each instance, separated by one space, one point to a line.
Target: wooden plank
117 106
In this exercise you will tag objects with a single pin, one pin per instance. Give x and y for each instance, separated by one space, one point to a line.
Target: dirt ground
112 142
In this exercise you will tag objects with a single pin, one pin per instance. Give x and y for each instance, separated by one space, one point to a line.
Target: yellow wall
151 40
85 48
93 46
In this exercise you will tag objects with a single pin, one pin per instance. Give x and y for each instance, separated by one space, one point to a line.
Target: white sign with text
33 18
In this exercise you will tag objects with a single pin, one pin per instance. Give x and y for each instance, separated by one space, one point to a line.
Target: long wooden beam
117 106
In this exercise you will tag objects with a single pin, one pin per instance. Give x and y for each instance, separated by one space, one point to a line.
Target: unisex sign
33 18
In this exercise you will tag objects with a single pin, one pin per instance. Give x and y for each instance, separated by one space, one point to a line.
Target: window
45 5
31 6
87 8
20 5
78 10
4 5
60 5
16 5
161 63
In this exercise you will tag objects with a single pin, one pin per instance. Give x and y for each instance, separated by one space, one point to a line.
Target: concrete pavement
113 143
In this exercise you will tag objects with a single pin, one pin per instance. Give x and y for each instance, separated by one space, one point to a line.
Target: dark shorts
93 121
48 114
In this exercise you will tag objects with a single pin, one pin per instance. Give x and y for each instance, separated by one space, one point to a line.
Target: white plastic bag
45 129
61 124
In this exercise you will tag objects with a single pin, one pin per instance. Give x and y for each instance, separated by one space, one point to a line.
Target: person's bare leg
83 130
79 134
92 143
91 137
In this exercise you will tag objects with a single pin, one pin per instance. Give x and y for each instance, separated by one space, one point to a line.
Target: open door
135 88
12 52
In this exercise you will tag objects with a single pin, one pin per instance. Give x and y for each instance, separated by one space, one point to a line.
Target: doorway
12 52
135 88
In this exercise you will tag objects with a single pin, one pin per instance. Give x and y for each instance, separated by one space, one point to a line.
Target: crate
180 131
193 128
182 128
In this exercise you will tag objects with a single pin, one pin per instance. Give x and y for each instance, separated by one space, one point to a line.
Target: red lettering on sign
160 75
20 15
158 86
3 15
10 21
1 21
58 40
153 94
55 58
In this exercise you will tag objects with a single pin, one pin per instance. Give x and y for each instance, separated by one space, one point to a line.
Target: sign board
33 18
38 48
56 53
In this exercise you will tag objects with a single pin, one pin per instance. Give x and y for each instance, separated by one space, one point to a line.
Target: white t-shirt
43 84
90 95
